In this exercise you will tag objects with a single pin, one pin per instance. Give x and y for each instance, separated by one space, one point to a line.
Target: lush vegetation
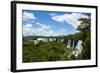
44 52
58 51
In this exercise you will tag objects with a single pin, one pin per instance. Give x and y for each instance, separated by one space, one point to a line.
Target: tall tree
85 31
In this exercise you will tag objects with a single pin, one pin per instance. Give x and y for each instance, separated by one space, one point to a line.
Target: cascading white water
79 46
76 49
69 44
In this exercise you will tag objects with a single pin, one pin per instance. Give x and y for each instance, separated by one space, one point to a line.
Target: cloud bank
69 18
44 29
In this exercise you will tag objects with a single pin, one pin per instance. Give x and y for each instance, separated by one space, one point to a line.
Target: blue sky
50 23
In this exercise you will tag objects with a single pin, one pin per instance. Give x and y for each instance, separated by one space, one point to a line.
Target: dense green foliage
85 28
44 52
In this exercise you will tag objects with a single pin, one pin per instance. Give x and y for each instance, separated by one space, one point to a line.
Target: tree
85 30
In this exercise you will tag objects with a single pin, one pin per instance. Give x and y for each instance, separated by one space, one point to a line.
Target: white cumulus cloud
44 30
38 23
52 14
28 30
28 15
69 18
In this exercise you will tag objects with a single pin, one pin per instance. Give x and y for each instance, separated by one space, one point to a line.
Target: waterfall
76 47
69 44
79 46
73 44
